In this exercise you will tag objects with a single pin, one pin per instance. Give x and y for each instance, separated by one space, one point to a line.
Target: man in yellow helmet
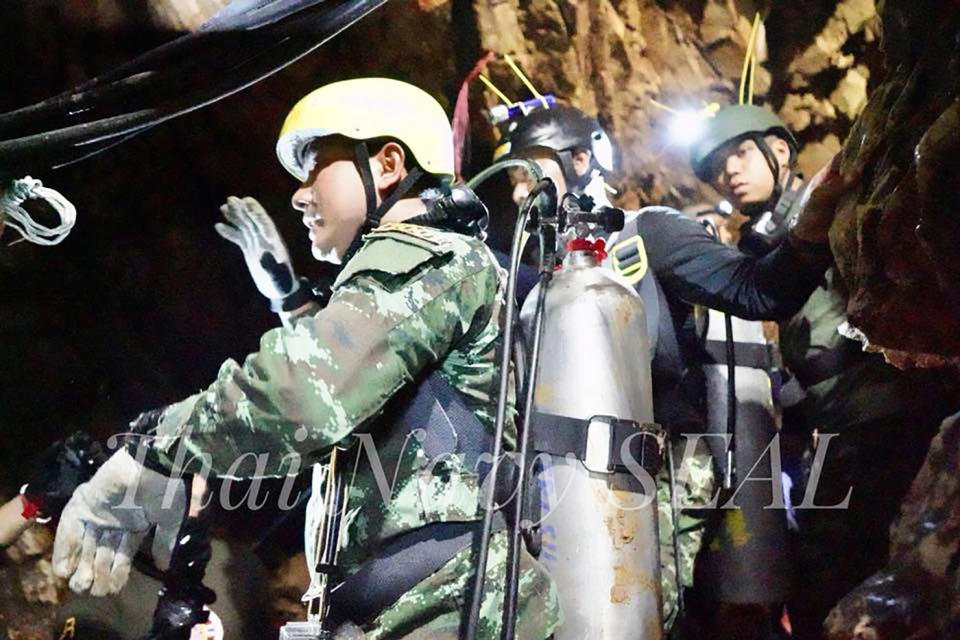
401 359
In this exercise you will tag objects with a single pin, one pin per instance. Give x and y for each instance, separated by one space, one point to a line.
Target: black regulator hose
524 214
548 247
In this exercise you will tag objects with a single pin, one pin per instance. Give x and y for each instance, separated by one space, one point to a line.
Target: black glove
63 467
183 596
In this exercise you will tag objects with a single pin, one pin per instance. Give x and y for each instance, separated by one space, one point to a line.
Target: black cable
730 473
511 591
64 140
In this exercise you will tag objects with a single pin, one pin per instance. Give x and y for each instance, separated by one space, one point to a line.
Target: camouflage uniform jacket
411 300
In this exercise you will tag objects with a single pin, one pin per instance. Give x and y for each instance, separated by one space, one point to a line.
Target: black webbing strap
562 435
785 204
444 426
748 354
375 213
447 426
400 565
361 158
400 191
772 162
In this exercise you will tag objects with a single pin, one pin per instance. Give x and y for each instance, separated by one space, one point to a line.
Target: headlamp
686 126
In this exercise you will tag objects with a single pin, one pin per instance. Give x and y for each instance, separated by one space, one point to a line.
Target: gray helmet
563 130
732 123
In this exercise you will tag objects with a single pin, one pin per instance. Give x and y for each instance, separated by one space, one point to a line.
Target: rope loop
13 214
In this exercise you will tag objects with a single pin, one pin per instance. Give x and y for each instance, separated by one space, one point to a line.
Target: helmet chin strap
361 158
769 221
771 158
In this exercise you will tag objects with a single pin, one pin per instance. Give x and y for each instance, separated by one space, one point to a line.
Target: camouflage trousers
693 488
434 609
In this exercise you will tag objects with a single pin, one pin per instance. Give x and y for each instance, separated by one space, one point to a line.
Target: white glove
263 249
108 517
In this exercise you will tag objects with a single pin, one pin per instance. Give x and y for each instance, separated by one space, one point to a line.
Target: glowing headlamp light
686 126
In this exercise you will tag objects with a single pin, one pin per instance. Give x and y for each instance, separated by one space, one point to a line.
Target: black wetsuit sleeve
692 266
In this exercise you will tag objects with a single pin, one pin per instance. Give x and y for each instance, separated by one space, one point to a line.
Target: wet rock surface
916 596
895 240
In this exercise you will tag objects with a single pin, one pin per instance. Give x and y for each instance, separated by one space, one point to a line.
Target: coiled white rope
13 214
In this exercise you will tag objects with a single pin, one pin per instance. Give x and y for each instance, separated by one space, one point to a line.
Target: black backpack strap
446 425
440 410
401 564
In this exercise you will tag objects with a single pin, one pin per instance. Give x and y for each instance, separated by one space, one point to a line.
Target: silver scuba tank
747 562
598 518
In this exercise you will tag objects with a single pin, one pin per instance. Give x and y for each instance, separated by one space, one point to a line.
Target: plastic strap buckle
629 259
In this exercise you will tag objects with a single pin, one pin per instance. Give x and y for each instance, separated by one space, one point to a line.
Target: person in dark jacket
689 268
879 420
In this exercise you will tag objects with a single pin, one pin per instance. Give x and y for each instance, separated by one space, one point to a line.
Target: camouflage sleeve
398 306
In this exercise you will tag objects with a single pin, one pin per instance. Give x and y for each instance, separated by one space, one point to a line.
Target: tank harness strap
399 565
440 411
599 441
749 354
445 424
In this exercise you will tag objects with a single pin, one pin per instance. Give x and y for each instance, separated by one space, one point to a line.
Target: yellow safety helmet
364 109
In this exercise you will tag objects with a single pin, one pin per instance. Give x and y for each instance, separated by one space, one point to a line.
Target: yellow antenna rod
660 105
493 88
748 56
753 59
525 81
